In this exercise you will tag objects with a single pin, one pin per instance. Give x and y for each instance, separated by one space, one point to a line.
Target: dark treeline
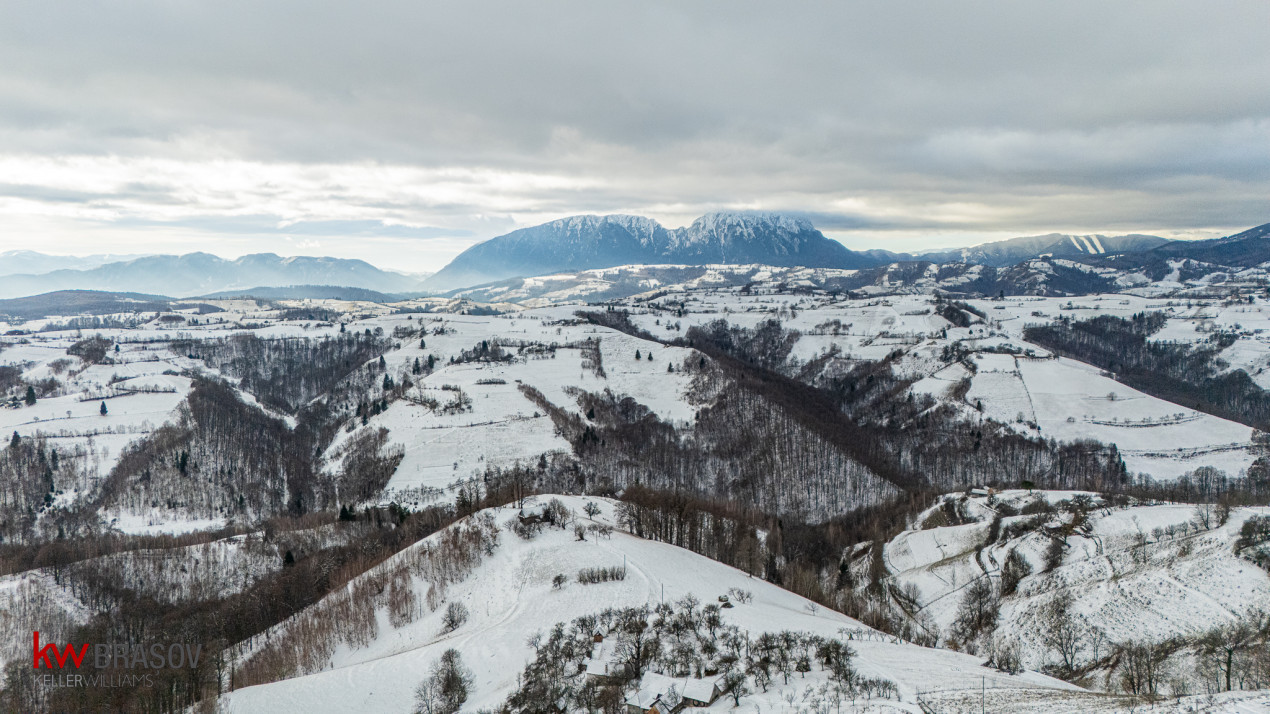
221 458
741 445
287 373
1209 485
108 322
726 531
815 560
220 623
767 345
869 416
960 314
483 351
310 312
1184 374
57 553
717 529
91 350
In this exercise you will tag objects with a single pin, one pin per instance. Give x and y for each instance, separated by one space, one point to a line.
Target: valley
863 462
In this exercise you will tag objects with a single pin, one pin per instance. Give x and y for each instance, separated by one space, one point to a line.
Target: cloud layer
146 124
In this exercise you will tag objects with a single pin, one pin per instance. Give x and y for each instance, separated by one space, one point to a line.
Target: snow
510 597
161 522
1059 398
1190 581
1070 401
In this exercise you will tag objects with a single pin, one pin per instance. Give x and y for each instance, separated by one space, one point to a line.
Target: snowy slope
510 597
1178 580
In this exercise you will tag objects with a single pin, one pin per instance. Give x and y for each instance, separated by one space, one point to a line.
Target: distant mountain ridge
1005 253
580 243
195 274
1246 249
586 242
304 292
30 262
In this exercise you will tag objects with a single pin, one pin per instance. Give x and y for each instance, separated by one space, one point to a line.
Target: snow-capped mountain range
584 242
733 241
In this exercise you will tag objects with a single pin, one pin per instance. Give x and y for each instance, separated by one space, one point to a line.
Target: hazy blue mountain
203 273
305 292
14 262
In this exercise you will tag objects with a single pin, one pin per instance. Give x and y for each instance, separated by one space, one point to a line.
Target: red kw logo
69 652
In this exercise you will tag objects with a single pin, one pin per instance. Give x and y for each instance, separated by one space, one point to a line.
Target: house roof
533 510
654 686
701 690
602 659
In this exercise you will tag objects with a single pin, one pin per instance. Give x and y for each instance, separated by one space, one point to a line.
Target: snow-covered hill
1133 572
310 429
510 596
986 369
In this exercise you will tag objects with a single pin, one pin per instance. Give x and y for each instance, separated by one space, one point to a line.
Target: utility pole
983 690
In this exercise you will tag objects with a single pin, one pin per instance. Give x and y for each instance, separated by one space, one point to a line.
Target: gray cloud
966 116
268 225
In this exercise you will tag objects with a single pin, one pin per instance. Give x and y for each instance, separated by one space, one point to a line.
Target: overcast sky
403 132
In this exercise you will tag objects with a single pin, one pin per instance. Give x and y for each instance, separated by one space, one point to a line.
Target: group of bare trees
305 643
680 639
977 615
1231 656
366 465
1254 534
287 373
742 446
1234 655
32 474
221 458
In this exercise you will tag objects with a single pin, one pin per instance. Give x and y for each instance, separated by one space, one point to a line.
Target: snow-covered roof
701 690
539 510
602 661
671 690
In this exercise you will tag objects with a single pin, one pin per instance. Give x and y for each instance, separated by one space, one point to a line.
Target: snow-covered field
1070 400
144 381
1139 572
1146 572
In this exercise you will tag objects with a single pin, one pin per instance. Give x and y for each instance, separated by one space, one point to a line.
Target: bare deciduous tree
1062 634
454 617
